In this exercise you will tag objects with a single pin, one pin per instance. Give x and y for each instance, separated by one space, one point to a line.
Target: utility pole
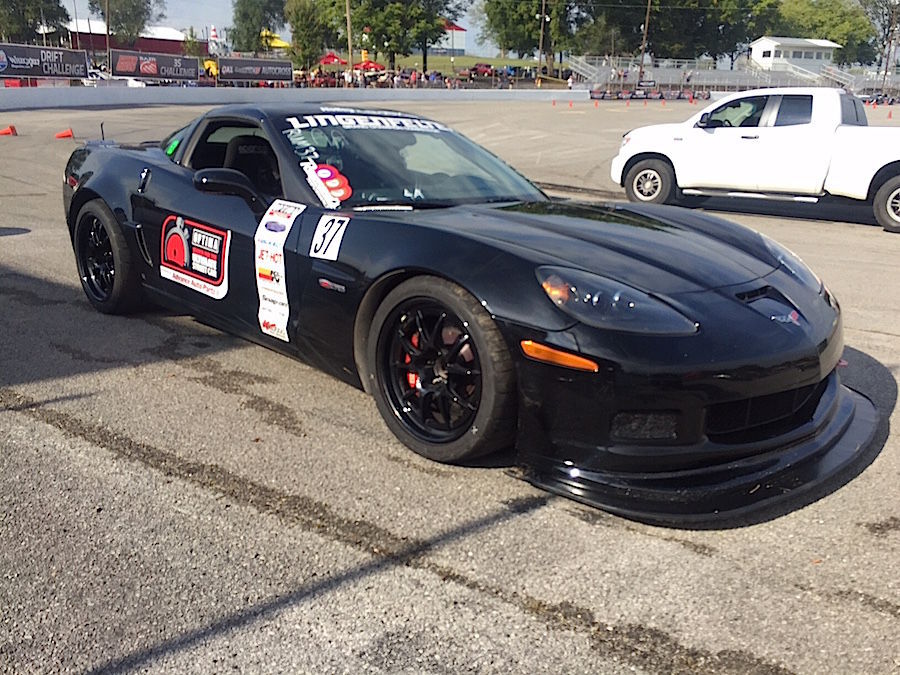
108 52
349 38
643 46
542 17
75 9
890 43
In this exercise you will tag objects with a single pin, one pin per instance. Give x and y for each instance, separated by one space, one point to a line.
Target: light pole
644 45
890 43
349 39
75 9
543 18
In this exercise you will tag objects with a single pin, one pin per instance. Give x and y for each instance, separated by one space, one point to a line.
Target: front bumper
756 476
673 430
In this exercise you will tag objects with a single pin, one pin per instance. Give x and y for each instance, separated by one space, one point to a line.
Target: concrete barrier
124 97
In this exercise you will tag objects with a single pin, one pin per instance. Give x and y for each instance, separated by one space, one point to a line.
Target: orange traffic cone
663 101
9 131
570 104
890 114
554 103
65 134
596 104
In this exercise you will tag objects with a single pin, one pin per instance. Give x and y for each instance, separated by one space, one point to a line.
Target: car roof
284 110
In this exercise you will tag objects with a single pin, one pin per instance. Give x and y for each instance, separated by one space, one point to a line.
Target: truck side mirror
703 121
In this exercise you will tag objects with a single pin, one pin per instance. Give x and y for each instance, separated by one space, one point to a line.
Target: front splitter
721 492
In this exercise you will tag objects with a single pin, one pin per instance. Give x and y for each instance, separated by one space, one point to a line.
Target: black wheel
443 377
650 181
104 262
886 205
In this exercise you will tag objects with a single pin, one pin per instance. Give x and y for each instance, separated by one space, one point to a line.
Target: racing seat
254 157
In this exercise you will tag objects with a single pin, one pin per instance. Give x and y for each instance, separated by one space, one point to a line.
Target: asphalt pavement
174 499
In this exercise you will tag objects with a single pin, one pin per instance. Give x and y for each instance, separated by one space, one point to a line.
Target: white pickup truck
782 143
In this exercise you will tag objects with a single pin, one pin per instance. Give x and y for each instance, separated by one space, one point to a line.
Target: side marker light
539 352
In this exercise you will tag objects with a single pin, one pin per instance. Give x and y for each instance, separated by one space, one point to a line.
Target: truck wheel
650 181
887 205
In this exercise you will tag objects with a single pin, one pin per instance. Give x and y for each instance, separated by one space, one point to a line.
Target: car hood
664 250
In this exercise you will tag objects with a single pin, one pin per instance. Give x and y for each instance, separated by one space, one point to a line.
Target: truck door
795 151
724 152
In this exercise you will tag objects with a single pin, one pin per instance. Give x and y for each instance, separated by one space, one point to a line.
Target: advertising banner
154 66
246 70
29 61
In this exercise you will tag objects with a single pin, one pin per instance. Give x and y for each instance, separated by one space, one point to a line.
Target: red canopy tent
330 59
368 65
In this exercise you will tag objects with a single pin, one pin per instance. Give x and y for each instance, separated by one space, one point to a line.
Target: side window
742 112
852 111
767 53
794 110
242 147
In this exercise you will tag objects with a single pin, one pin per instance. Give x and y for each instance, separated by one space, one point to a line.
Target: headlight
605 303
793 264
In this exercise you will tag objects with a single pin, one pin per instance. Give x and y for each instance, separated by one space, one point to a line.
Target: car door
795 151
205 245
722 151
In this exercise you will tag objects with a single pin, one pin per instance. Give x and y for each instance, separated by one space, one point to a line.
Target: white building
779 53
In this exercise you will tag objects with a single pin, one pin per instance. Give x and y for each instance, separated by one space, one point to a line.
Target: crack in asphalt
646 647
884 527
604 519
880 605
31 298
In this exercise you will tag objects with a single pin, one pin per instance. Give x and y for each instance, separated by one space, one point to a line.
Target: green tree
431 25
311 30
251 17
128 18
884 14
841 21
20 19
192 46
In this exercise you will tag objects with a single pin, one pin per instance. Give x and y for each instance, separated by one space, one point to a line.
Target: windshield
366 159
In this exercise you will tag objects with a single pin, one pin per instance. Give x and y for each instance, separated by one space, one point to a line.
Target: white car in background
98 77
782 143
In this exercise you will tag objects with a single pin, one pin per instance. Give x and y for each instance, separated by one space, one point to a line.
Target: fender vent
142 244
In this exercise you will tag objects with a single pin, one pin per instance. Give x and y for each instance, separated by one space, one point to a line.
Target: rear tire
886 205
650 181
107 272
442 376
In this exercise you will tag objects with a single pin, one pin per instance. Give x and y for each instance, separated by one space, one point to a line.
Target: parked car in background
782 143
98 77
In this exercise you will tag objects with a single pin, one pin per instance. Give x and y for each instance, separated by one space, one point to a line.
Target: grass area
442 63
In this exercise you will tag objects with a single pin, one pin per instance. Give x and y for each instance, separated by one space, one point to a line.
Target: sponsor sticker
271 286
326 241
393 122
195 255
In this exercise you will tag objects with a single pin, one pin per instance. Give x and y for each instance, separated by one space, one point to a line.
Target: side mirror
703 121
226 182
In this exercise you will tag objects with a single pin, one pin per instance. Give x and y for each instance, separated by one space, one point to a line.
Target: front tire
108 275
886 205
650 181
443 377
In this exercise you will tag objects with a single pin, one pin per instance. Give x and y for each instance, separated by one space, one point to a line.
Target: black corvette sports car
656 362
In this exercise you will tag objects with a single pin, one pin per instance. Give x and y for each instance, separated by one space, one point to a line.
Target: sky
205 13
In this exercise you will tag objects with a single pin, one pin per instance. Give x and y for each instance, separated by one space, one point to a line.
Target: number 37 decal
326 241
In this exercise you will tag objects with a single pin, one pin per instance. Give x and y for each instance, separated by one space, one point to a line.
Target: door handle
750 138
145 178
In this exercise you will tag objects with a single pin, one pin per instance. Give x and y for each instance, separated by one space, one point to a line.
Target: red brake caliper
412 378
